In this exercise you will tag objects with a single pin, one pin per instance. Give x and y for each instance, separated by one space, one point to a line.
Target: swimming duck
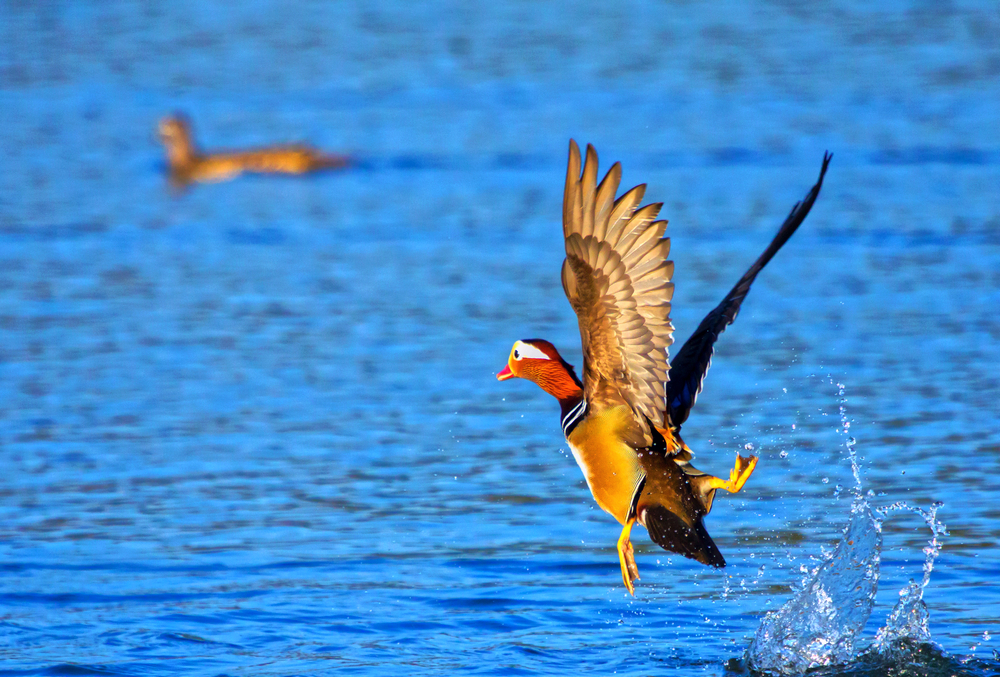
623 419
188 165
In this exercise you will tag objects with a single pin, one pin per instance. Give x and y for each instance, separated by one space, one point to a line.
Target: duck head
175 133
539 361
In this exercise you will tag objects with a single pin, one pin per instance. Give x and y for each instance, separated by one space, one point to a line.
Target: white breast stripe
573 416
634 503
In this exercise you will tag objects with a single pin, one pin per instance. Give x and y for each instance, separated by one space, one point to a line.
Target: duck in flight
189 165
623 420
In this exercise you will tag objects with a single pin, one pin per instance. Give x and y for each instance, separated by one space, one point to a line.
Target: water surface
254 429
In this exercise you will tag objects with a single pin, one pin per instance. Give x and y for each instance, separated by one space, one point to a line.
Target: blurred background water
253 428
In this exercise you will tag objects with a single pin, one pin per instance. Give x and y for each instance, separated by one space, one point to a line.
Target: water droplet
986 636
783 454
748 446
793 426
826 480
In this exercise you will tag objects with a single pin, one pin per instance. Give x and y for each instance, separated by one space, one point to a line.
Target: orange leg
738 476
626 558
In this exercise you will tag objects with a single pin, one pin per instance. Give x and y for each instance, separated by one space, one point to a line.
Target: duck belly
610 466
212 169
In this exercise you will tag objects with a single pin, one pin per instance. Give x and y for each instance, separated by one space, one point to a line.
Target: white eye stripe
523 350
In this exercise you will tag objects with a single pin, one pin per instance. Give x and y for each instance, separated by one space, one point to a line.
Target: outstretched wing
617 279
687 372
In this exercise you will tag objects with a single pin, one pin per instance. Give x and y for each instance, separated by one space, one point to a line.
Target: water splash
818 626
909 618
821 624
850 443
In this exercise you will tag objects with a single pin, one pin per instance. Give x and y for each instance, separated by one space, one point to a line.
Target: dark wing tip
827 156
814 191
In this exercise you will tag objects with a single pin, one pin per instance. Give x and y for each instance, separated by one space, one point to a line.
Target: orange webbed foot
738 476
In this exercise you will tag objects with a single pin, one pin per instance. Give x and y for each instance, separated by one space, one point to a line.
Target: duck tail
323 161
671 533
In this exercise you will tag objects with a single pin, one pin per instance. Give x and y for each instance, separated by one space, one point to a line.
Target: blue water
253 429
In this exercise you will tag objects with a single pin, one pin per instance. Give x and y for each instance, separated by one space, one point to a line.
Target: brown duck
189 165
623 420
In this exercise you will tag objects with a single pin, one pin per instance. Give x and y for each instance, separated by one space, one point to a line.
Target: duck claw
741 472
738 476
626 558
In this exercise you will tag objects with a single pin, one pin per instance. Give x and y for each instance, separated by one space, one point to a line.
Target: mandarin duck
188 165
623 420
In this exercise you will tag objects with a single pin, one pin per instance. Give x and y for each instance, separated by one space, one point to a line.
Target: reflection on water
254 429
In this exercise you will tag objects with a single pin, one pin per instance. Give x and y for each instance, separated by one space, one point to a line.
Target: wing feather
605 202
624 206
571 209
588 191
688 370
617 279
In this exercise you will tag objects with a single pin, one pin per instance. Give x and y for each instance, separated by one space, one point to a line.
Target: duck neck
574 408
181 151
570 403
559 381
